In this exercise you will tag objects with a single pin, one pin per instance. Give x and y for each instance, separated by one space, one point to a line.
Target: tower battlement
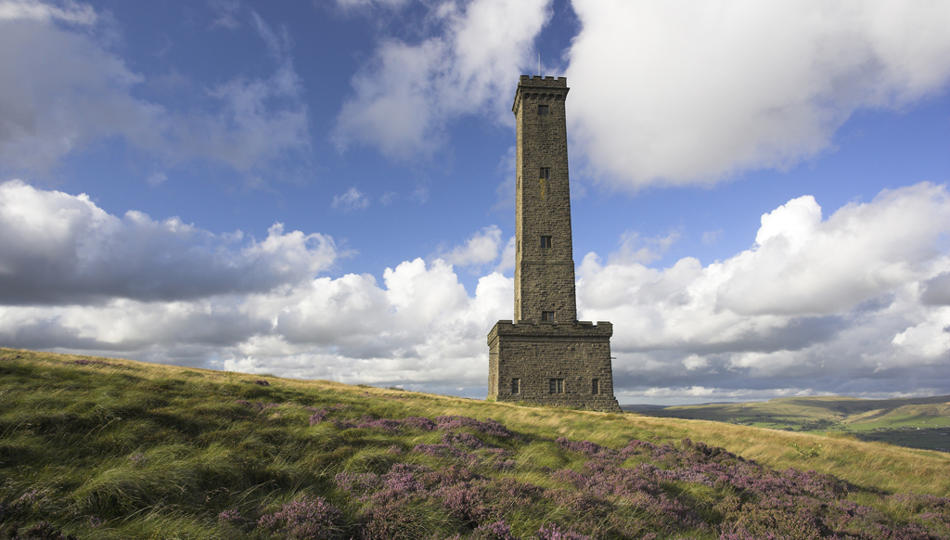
538 80
537 87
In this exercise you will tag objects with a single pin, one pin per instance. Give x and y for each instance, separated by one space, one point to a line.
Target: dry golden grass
870 465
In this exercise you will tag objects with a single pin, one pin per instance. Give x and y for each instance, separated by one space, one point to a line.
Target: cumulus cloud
418 327
929 338
61 248
74 277
86 93
405 95
635 248
826 304
802 264
482 248
832 319
679 92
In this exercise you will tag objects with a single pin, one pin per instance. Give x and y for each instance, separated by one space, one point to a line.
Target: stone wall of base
552 364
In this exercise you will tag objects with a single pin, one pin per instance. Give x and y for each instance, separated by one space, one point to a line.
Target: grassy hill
913 422
104 448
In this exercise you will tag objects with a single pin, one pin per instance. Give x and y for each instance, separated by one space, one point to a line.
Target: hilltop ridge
107 448
918 422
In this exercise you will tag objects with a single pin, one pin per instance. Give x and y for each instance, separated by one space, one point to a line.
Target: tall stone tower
546 355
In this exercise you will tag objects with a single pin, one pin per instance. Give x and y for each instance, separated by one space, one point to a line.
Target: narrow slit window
543 110
545 173
516 386
556 386
545 242
595 386
547 316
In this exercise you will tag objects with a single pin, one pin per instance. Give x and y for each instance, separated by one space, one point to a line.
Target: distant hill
922 422
106 448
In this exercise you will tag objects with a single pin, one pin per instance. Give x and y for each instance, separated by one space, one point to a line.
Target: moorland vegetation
107 448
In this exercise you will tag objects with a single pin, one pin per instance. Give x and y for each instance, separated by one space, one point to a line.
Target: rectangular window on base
545 173
595 386
547 316
556 386
543 110
545 242
515 386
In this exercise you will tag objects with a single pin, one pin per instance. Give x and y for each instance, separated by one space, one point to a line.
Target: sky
325 189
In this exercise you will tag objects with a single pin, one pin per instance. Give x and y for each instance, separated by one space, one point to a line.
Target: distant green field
912 422
106 448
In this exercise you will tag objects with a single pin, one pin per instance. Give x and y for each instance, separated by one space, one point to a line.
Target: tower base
559 364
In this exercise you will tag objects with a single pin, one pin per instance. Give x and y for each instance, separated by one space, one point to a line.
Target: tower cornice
554 87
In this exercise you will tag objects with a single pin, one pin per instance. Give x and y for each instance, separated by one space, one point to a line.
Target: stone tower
546 355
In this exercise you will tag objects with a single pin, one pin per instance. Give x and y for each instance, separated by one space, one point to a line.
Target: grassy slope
913 422
106 437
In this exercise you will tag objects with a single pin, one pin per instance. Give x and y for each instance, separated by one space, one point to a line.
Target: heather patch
553 532
305 518
684 489
498 530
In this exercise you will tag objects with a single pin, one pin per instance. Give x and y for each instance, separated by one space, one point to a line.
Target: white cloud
929 338
86 93
405 96
829 304
635 248
679 92
61 248
349 200
801 264
420 326
482 248
79 279
258 120
694 361
507 261
70 12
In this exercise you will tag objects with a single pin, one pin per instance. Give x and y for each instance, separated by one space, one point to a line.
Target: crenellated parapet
538 80
535 87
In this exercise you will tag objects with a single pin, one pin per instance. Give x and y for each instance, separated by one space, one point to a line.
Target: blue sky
325 189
